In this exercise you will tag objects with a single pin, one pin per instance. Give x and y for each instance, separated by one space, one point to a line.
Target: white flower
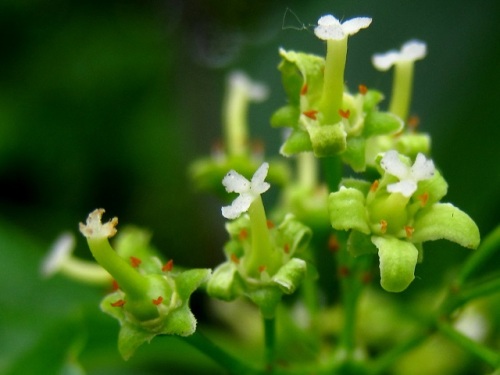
248 190
59 253
330 27
256 91
411 51
422 169
94 228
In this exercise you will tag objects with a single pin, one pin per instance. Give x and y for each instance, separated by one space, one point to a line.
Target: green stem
465 295
235 119
333 84
231 364
332 167
488 246
402 88
307 170
260 253
85 271
489 356
270 342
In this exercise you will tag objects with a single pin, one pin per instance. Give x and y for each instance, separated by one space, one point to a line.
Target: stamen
413 122
383 226
243 234
118 303
362 89
235 259
262 268
286 248
270 224
115 286
167 267
135 262
303 90
423 198
366 277
409 231
345 114
311 114
374 186
333 243
158 300
344 271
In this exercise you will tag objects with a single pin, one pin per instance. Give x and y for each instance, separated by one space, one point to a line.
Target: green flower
396 214
151 298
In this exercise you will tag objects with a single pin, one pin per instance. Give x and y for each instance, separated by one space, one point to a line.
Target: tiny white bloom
330 27
94 228
248 190
60 251
411 51
256 91
422 169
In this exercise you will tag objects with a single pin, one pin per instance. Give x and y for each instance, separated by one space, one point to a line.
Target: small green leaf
348 211
298 141
397 262
445 221
290 275
380 123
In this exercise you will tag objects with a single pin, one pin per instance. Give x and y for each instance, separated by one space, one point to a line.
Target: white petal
383 61
235 182
353 25
413 50
329 27
239 205
328 20
255 90
259 186
423 168
59 252
394 166
405 187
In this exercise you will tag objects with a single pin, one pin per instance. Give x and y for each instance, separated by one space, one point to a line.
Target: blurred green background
105 104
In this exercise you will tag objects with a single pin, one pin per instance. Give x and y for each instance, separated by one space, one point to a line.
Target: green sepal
225 283
296 234
188 281
445 221
411 144
266 298
287 116
359 244
354 154
297 141
436 187
397 262
380 123
133 241
327 140
371 99
347 210
130 338
361 185
290 275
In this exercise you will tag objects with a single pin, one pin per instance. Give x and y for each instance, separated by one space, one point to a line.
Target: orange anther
304 89
286 248
423 198
343 271
270 224
135 262
383 226
362 89
374 186
114 285
243 234
345 114
366 277
413 122
118 303
311 114
235 259
158 300
262 268
167 267
409 231
333 243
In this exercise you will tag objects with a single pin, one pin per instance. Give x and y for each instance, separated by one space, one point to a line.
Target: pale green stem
307 168
262 247
402 89
333 82
270 342
235 119
85 271
131 282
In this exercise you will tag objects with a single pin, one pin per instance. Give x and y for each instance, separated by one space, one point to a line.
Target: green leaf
445 221
290 275
348 211
397 262
380 123
371 100
298 141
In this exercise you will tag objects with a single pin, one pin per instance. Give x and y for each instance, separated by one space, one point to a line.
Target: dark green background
105 104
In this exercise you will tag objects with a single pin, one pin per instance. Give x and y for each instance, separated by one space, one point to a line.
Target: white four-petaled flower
330 27
410 51
248 190
422 169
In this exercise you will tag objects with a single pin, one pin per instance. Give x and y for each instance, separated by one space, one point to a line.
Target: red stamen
270 224
286 248
423 198
374 186
167 267
409 231
235 259
304 89
345 114
243 234
366 277
258 147
262 268
118 303
135 262
362 89
158 300
383 226
333 243
343 271
413 122
114 285
311 114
